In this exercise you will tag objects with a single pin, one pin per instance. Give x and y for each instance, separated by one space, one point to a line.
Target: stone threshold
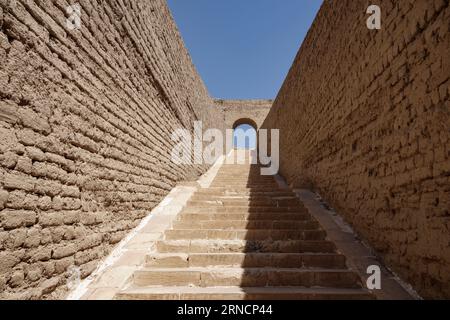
129 255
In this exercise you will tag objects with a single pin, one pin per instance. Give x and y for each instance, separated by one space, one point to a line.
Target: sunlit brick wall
364 118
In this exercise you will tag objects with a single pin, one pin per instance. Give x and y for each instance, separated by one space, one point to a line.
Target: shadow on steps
245 238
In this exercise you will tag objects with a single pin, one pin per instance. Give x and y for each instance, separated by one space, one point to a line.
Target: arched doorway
245 134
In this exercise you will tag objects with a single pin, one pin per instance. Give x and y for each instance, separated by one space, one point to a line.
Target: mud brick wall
364 118
86 118
235 110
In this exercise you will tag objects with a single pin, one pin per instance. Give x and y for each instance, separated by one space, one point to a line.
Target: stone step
180 234
245 203
238 293
265 216
247 277
229 192
236 197
254 182
246 182
251 172
244 209
245 178
251 189
244 246
241 196
244 189
245 237
247 260
248 225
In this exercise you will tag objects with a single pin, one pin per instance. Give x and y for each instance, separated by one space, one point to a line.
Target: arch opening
243 121
245 134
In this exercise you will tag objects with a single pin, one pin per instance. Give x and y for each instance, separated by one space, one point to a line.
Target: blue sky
243 49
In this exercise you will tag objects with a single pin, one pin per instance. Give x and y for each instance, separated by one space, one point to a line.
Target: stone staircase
244 237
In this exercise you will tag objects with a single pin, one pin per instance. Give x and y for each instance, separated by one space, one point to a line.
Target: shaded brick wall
86 119
364 118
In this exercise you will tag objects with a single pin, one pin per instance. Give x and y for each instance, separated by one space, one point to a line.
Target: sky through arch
244 137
